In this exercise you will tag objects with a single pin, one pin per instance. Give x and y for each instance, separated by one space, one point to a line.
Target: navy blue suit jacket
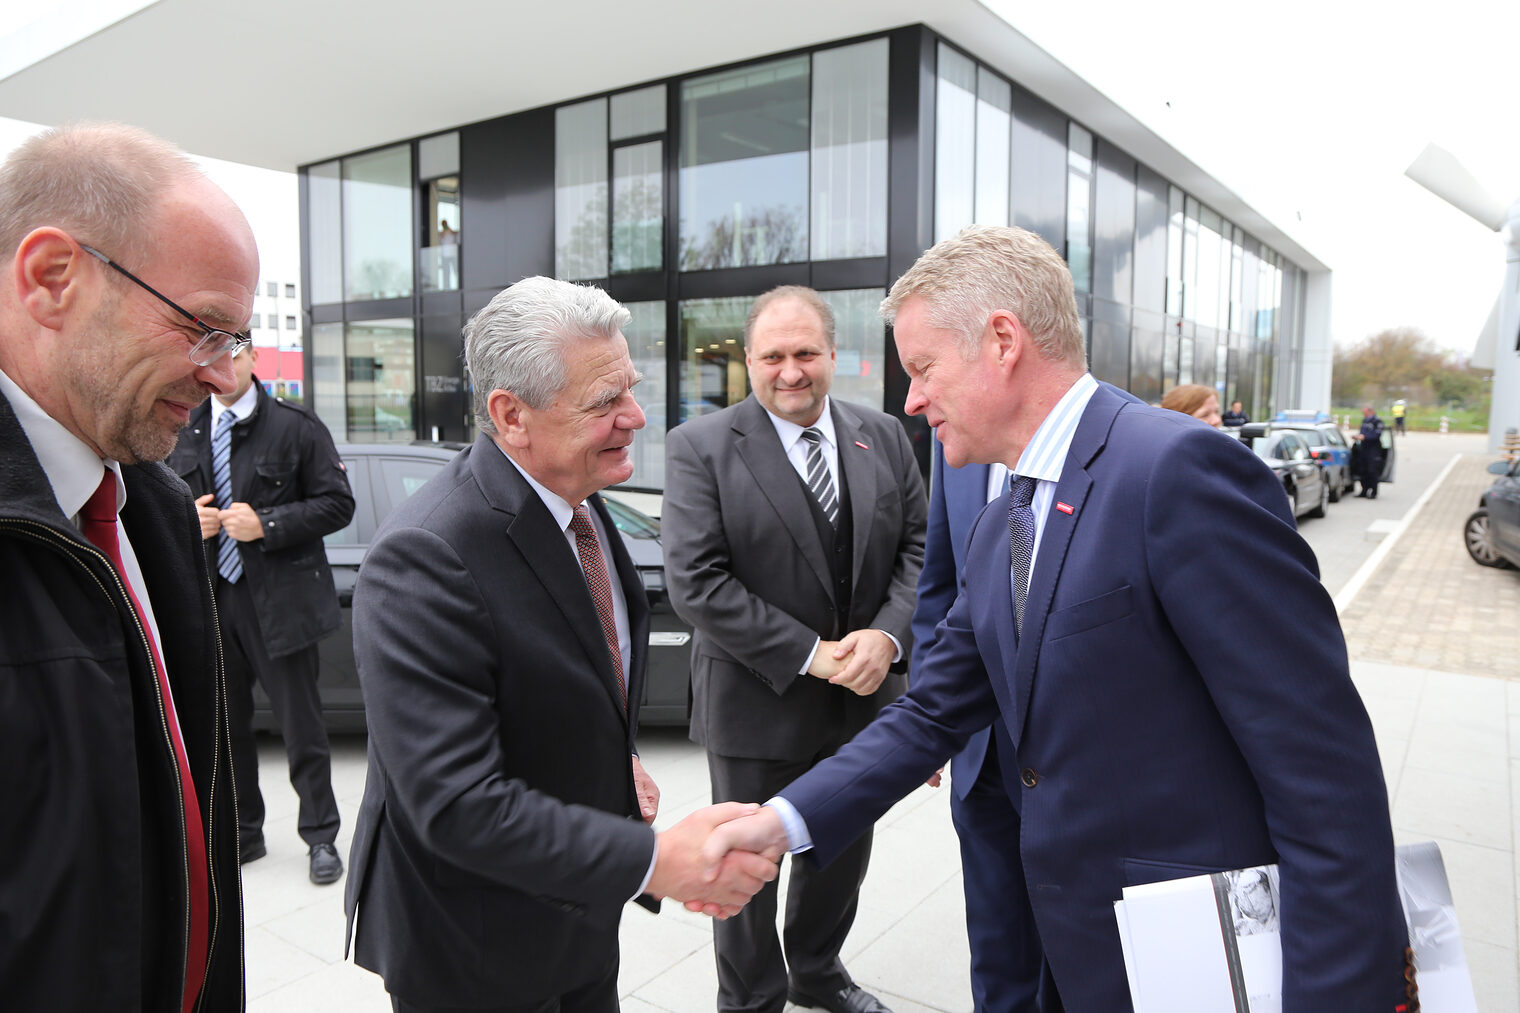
1161 731
956 495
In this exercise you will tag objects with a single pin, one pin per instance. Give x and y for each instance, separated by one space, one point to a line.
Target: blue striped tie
229 563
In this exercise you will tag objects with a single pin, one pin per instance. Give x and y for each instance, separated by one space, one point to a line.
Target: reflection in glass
1237 281
377 224
580 190
440 250
994 123
954 144
1190 260
1174 243
329 390
1185 360
1079 174
324 192
849 146
381 375
637 113
1206 305
638 206
712 355
860 346
646 347
744 166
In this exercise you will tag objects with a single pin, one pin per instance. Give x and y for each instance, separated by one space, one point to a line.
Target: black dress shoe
251 850
850 999
326 866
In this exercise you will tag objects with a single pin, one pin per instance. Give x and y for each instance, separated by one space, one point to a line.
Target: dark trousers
1007 961
598 997
1372 471
290 681
820 906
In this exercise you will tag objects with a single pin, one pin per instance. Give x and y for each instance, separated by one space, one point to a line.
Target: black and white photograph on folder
1210 944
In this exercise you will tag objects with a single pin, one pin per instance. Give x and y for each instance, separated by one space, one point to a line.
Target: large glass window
1174 244
1079 176
324 196
646 347
849 152
860 346
438 168
637 113
377 224
713 375
1206 303
580 190
638 207
381 375
954 144
994 122
744 166
329 386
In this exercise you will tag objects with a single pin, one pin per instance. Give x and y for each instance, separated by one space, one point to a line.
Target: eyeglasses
214 343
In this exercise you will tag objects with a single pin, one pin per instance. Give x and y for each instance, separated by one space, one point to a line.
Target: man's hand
759 831
936 778
241 523
211 517
866 654
684 872
825 664
647 791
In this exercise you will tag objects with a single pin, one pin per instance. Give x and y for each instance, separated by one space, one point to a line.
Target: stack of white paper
1209 944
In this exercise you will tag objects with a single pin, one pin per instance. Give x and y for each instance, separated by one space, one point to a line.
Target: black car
1492 532
382 475
1300 471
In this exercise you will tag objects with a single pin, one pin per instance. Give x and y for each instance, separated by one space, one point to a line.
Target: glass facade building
833 167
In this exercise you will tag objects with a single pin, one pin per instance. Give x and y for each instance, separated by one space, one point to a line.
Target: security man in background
269 484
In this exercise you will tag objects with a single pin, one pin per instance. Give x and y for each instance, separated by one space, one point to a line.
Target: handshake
717 858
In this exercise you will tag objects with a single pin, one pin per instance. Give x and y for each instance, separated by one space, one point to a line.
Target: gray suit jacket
499 836
745 567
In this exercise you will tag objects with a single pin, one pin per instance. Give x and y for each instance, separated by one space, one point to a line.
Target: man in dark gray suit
501 630
794 534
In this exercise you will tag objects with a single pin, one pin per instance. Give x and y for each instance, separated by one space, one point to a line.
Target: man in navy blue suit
1158 730
1006 962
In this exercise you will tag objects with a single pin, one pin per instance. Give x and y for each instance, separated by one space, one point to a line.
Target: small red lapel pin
862 446
1065 508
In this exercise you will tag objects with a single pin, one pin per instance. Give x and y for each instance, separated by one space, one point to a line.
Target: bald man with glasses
119 851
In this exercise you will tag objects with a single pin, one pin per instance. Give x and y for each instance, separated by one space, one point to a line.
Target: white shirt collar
791 432
244 405
1046 453
560 510
71 467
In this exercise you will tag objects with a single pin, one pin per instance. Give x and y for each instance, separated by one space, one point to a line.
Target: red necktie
98 524
589 548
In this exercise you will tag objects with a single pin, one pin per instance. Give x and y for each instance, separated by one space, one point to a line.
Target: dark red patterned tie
590 550
98 524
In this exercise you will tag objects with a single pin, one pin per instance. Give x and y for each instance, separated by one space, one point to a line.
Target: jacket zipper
71 548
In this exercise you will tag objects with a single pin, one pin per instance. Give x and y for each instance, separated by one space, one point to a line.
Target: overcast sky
1310 110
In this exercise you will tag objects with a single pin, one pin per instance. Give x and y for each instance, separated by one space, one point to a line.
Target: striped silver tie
820 483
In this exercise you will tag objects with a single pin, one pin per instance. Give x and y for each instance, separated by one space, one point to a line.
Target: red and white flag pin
1065 508
862 446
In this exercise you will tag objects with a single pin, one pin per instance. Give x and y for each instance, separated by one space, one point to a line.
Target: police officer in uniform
1369 452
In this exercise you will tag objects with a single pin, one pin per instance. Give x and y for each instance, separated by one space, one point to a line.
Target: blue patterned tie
1020 542
229 563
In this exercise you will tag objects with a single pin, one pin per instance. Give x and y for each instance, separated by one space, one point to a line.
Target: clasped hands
719 857
858 662
240 521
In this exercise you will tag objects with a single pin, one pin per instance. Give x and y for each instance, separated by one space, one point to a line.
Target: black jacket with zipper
93 876
285 466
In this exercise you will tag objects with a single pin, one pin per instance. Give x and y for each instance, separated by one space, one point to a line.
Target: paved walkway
1433 639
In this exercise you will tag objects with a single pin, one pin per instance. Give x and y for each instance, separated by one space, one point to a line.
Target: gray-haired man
500 630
